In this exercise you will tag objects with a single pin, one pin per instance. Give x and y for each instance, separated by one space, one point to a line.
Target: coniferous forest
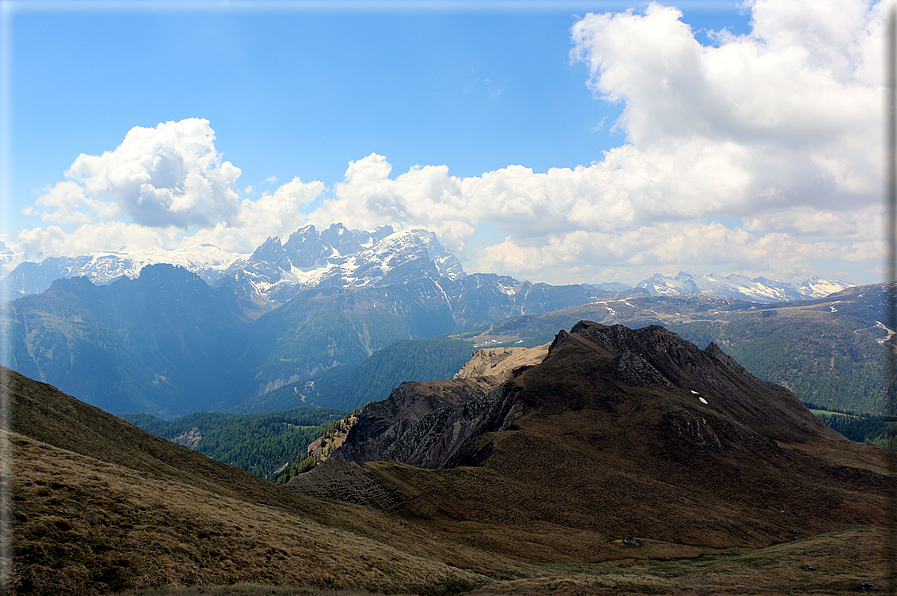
257 443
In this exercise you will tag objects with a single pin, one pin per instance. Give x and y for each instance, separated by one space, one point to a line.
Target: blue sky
445 100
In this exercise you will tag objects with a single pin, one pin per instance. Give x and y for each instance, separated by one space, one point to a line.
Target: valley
760 494
586 416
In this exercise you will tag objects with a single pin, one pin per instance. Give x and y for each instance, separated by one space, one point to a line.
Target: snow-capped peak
759 289
342 257
101 267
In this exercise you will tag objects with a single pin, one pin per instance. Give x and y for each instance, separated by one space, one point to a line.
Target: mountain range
340 257
613 460
759 289
298 317
830 351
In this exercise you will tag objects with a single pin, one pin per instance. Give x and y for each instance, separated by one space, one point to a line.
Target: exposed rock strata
435 424
617 432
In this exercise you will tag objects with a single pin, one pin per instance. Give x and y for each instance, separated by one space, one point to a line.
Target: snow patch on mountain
820 288
340 257
759 289
101 267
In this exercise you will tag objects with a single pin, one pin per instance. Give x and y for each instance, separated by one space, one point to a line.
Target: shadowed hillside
539 474
100 505
616 433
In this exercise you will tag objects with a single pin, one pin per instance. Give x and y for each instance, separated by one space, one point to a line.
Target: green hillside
257 443
353 386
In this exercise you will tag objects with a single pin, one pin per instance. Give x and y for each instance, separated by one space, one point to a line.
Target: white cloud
39 243
157 185
421 197
272 214
779 128
170 175
67 201
783 93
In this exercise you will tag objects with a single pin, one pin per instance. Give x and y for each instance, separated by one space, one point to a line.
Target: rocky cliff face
431 424
692 398
501 363
416 423
617 432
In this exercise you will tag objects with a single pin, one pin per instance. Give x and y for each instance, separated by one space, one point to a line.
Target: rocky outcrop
189 439
502 362
712 401
427 424
635 370
430 425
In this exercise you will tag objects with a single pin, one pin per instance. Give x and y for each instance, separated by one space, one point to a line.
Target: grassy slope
100 505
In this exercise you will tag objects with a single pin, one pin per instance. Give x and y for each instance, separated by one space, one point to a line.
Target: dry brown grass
84 526
101 507
245 589
835 563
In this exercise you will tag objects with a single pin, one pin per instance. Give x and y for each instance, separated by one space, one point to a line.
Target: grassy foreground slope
102 507
99 506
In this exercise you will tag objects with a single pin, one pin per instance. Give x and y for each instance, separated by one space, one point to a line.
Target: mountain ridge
616 433
433 424
338 256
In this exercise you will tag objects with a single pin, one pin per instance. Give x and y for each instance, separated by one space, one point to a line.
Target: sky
563 142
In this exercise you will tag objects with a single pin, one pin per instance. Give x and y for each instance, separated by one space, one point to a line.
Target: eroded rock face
428 425
699 400
189 439
501 362
635 370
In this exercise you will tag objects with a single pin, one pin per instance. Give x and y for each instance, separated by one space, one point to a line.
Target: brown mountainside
535 476
617 432
99 505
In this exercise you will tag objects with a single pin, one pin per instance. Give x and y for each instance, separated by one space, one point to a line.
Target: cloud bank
759 154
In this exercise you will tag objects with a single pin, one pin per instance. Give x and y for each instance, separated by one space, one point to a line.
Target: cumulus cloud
782 92
170 175
273 214
778 131
779 128
157 185
425 197
67 203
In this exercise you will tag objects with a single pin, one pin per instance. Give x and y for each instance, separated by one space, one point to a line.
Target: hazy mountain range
289 324
339 257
